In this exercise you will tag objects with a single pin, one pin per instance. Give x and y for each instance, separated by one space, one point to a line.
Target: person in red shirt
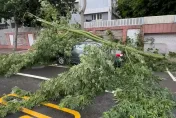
118 60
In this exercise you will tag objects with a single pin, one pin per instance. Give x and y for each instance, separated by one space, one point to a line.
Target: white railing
112 23
131 21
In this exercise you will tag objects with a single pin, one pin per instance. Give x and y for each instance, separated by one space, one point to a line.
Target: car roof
88 42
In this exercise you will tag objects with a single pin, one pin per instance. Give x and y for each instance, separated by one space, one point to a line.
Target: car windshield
80 47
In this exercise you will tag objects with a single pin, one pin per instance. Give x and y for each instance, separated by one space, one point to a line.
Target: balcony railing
112 23
131 21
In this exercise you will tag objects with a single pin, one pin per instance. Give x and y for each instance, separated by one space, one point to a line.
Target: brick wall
26 36
145 29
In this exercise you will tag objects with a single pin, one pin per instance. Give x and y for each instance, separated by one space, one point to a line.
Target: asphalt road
101 103
167 81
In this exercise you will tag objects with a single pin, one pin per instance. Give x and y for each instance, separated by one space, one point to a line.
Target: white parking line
46 79
33 76
171 75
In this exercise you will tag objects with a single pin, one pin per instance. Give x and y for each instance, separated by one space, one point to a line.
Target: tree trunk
82 13
16 35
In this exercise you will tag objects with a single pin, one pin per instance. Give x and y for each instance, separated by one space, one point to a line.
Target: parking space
49 71
26 83
167 81
101 103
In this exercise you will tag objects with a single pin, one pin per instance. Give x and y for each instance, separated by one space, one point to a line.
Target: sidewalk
8 51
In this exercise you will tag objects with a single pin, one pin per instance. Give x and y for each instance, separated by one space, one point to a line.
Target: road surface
101 103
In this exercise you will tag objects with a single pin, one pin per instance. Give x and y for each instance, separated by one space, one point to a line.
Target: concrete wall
75 19
93 4
163 33
159 19
124 29
152 20
118 34
165 43
133 34
3 38
26 37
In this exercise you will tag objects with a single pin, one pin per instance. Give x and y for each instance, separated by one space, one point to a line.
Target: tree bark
16 36
82 13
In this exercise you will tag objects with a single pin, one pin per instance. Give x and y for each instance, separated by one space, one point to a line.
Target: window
97 16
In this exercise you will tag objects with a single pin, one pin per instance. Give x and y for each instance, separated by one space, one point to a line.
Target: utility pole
81 12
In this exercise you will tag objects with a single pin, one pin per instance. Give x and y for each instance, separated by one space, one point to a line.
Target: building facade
96 10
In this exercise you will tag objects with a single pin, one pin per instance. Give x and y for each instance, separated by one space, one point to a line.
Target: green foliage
139 94
82 82
63 6
50 43
17 9
160 64
137 91
47 9
172 54
141 8
110 35
54 42
20 92
156 64
12 63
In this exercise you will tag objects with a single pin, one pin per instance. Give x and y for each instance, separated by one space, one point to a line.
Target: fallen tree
137 90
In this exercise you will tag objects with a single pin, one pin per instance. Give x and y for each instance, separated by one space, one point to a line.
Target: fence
112 23
26 37
132 21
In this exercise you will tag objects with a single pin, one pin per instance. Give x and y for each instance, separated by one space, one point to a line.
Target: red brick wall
26 46
145 29
124 28
23 42
160 28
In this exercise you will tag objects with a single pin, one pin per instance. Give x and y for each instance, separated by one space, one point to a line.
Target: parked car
78 50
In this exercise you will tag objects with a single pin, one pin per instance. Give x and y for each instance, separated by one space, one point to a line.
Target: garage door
165 43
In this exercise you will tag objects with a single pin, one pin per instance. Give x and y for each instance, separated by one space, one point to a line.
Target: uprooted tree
137 91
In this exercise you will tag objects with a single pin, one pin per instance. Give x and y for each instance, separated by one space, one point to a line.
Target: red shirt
119 55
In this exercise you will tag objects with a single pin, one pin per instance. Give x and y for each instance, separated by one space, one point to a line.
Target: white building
96 10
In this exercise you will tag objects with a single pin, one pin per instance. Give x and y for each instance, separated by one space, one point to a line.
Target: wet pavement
101 103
